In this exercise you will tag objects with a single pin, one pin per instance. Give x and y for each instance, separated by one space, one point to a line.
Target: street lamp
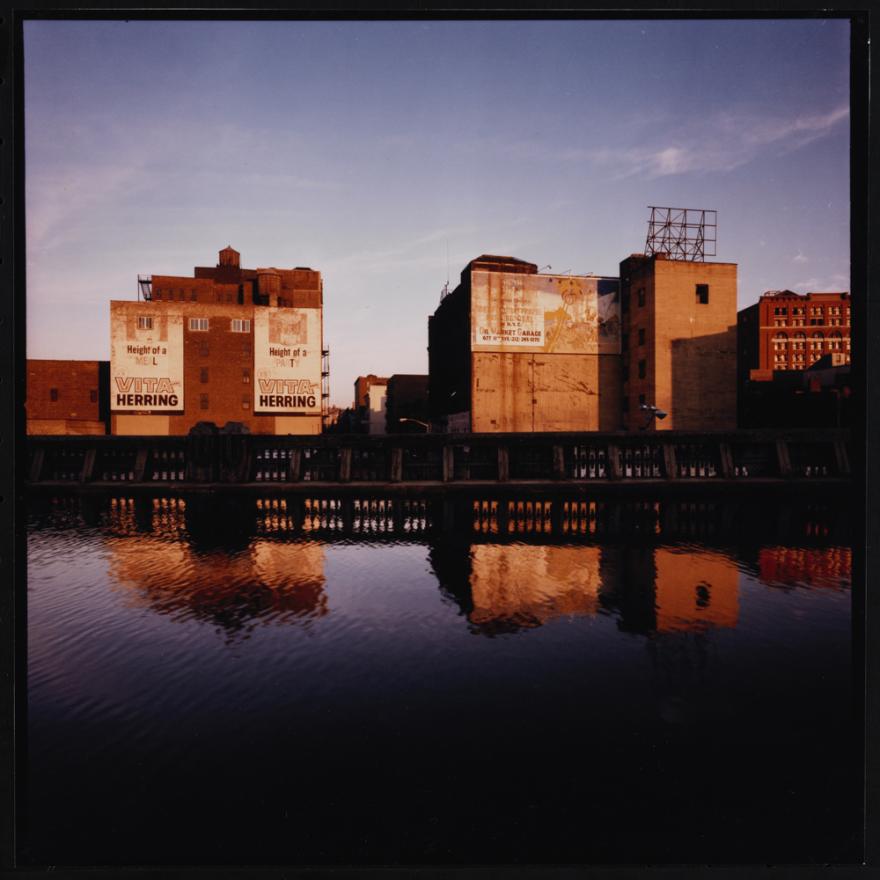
653 413
425 425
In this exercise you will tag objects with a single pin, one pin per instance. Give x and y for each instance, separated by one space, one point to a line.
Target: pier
419 464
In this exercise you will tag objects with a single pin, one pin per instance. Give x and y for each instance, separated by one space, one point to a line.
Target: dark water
242 682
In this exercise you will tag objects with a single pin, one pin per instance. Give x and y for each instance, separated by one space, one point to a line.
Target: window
641 400
641 296
93 396
198 323
203 349
192 295
203 374
643 366
703 295
53 394
246 348
246 375
145 322
642 336
203 401
245 402
241 325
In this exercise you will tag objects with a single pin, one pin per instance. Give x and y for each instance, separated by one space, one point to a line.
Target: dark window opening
642 336
641 296
641 400
93 396
246 375
203 349
643 367
203 401
53 394
203 374
703 294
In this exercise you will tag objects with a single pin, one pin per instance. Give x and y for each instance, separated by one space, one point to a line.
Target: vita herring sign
146 360
287 361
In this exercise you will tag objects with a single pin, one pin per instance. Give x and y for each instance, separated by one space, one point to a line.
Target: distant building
225 345
512 349
794 355
67 397
407 399
370 403
678 343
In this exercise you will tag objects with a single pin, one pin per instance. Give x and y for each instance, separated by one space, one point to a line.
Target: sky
389 154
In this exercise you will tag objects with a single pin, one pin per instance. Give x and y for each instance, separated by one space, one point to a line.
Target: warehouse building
67 397
225 345
512 349
678 343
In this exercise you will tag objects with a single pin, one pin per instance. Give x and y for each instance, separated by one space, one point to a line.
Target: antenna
447 263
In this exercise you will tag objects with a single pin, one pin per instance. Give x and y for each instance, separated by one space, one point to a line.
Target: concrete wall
545 392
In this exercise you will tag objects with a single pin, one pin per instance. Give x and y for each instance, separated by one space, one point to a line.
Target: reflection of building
527 584
678 341
828 567
67 397
226 345
277 580
511 349
695 590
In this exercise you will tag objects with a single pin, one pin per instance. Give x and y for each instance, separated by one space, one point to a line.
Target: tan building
67 397
512 349
678 342
226 345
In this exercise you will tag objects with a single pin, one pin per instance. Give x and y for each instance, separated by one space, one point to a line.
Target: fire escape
325 387
145 287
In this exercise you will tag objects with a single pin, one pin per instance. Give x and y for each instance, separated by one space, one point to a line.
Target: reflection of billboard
530 584
287 360
146 359
547 313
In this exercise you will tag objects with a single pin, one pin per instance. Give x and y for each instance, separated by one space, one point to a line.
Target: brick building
511 349
67 397
225 345
789 331
784 341
678 342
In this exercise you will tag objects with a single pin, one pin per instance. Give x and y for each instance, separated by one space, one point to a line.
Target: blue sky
367 149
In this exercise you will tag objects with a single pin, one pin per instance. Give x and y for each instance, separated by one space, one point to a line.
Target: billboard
146 359
287 361
548 313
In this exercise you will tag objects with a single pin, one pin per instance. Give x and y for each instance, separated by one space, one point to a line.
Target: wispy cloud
800 258
718 143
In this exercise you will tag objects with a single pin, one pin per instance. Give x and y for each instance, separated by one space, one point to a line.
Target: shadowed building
407 398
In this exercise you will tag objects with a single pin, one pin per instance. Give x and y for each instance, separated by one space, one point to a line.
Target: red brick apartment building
789 331
225 345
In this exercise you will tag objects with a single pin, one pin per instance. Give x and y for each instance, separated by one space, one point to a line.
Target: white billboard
287 361
146 359
546 313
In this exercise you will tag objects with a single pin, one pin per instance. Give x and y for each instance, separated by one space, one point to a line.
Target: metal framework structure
145 287
682 233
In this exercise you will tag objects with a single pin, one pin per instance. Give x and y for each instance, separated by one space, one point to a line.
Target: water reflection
515 565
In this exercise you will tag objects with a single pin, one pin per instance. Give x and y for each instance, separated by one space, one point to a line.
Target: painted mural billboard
549 313
146 360
287 361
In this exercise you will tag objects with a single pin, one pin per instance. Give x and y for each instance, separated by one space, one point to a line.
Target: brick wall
66 397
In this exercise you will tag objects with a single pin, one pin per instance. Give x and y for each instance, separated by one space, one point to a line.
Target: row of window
702 294
53 395
813 322
204 401
245 375
236 325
